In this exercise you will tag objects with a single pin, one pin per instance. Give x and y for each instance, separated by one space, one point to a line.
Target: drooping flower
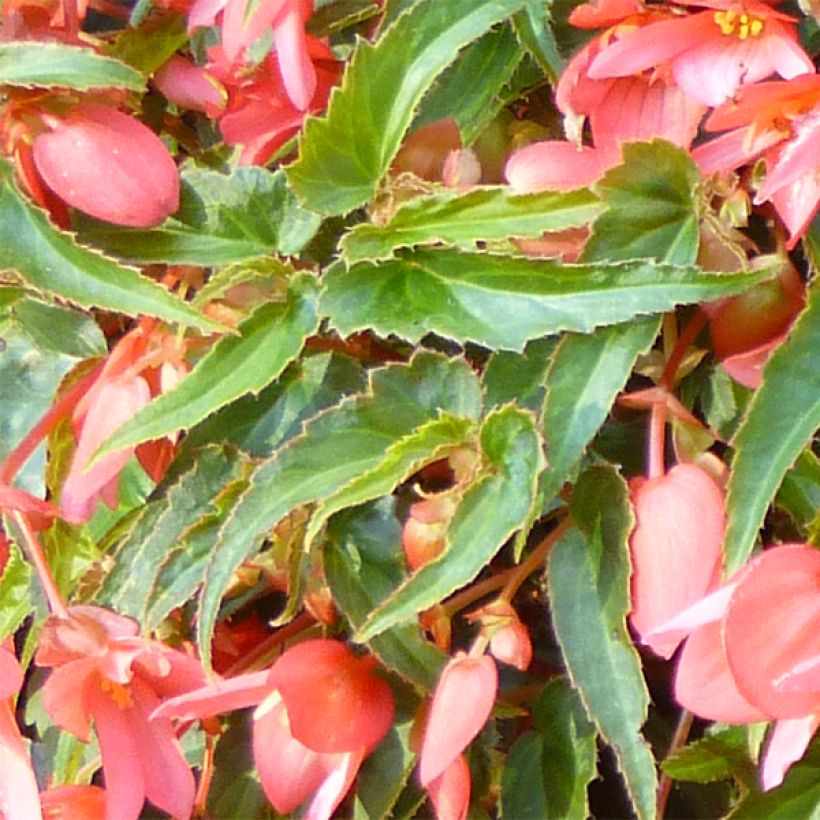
107 164
508 635
461 705
425 532
190 86
710 53
779 121
19 799
450 791
753 652
101 670
321 711
676 548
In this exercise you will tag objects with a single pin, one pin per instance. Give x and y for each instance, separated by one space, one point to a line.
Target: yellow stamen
741 25
121 694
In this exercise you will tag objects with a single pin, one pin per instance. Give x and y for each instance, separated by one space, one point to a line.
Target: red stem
657 440
37 557
683 344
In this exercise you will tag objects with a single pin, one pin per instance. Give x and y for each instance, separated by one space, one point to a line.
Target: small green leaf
60 329
494 507
267 341
548 771
718 756
463 219
151 44
221 219
532 26
518 377
15 593
55 65
588 577
503 301
782 417
336 446
586 374
800 492
54 263
364 563
344 154
652 206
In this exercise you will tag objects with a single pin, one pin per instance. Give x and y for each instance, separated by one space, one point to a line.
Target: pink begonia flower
122 388
101 669
676 548
555 165
19 798
710 53
260 117
752 652
243 24
450 791
781 122
462 704
321 711
190 86
108 165
508 635
73 803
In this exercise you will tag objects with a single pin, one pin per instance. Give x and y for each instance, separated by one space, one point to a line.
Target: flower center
121 694
740 24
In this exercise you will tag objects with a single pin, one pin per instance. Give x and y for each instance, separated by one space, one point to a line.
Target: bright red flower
108 165
322 710
753 652
710 53
676 548
462 703
103 670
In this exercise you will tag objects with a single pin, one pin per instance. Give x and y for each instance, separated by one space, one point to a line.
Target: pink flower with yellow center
710 53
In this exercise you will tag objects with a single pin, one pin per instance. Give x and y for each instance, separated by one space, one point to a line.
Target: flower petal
788 742
450 791
554 165
19 797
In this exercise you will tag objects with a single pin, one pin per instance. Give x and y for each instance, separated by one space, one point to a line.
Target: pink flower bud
109 165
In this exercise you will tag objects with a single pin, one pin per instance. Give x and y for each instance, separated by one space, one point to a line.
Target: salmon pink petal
288 770
121 759
297 69
676 548
11 675
554 165
110 166
461 705
797 205
747 368
450 791
169 782
222 696
651 45
204 12
19 797
604 13
66 698
799 157
787 744
116 403
335 786
703 681
335 701
40 512
190 86
73 803
771 629
730 151
243 23
804 676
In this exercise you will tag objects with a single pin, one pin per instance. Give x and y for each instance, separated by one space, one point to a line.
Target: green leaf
55 65
336 446
588 577
494 507
54 263
59 329
268 340
503 301
532 26
364 563
782 417
343 155
800 492
518 377
402 459
222 218
717 756
585 376
493 57
463 219
259 424
15 593
160 527
652 206
548 771
151 44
